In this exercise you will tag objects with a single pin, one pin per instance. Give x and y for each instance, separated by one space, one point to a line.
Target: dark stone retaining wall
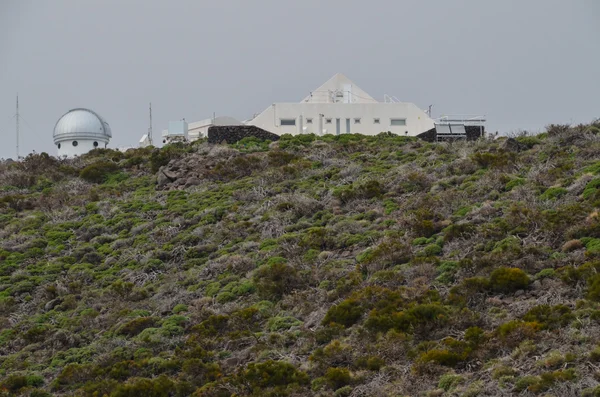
234 133
474 132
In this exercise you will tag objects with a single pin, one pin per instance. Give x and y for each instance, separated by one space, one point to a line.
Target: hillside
329 266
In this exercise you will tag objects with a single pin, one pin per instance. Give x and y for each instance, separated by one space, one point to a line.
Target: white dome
81 124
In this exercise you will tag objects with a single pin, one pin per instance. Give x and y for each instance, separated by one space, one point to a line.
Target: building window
397 121
327 121
95 144
357 120
308 121
376 121
75 143
287 121
59 145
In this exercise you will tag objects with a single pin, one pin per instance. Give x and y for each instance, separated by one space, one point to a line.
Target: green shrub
372 363
593 290
420 241
513 332
553 193
595 354
592 245
443 357
137 325
546 273
279 158
447 270
591 392
14 383
493 160
179 308
282 323
275 279
525 382
98 172
510 185
508 280
432 250
159 387
338 377
346 313
458 230
591 188
547 379
272 374
551 317
449 382
418 318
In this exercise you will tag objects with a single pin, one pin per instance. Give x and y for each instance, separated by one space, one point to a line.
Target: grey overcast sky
523 63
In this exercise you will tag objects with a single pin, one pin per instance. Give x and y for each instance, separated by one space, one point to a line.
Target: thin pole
18 117
150 128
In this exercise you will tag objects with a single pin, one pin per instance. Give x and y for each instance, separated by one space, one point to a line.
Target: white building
199 129
177 132
80 130
340 107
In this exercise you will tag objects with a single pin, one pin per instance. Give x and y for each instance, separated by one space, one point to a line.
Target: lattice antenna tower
17 117
150 127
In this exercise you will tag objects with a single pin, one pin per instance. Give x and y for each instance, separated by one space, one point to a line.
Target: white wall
417 120
83 146
199 129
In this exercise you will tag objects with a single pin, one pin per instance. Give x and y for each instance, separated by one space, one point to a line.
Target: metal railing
465 119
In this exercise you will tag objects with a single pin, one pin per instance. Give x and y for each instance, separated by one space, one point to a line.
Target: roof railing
466 119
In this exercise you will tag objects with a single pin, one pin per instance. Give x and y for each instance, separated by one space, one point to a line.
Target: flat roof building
341 107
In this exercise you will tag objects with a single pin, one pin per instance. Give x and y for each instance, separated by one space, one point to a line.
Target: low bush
99 172
553 193
260 376
275 279
508 280
346 313
137 325
338 377
551 317
159 387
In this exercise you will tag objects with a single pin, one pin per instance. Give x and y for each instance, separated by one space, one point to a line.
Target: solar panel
458 129
442 129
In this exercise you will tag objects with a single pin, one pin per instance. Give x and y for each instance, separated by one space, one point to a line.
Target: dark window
95 144
376 121
327 121
287 121
308 121
75 143
397 121
59 145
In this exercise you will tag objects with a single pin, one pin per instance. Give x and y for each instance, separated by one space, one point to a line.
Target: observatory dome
80 130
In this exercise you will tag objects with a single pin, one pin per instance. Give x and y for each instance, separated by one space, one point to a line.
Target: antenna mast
150 128
17 116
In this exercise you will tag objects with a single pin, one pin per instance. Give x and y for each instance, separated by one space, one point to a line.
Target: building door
347 126
337 127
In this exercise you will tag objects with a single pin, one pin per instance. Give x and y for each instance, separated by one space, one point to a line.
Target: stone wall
234 133
474 132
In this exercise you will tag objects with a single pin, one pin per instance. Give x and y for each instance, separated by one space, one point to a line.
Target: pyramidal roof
339 88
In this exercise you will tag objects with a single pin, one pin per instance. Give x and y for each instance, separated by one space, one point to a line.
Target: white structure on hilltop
340 107
80 130
177 132
199 129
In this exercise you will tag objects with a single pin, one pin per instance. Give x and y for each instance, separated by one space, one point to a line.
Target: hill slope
346 266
